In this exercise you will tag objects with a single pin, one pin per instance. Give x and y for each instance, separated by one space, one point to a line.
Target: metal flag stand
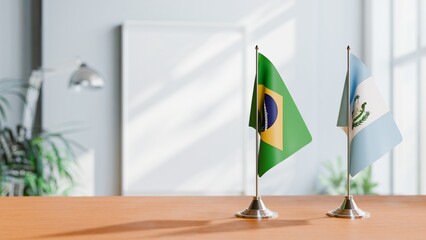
348 209
257 208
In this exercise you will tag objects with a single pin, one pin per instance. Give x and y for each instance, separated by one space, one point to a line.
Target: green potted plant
32 166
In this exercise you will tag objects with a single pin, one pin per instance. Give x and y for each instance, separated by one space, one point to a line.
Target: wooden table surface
300 217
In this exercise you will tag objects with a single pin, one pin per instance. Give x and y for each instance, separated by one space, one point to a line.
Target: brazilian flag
281 127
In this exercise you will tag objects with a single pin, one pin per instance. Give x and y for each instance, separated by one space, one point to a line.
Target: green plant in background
36 166
33 166
334 179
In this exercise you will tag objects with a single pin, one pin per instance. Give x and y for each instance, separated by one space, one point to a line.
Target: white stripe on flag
375 106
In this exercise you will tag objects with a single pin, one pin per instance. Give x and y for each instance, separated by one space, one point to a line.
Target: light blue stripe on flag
373 142
359 72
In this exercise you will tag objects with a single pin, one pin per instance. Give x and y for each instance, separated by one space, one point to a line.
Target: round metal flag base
349 209
257 209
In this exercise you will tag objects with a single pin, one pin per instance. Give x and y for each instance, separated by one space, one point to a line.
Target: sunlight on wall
204 52
266 13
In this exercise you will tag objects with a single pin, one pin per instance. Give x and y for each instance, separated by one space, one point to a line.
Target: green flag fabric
281 127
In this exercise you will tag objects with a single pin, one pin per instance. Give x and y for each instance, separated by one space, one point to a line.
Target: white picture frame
184 112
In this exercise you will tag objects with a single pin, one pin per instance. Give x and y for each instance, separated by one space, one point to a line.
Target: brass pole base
349 209
257 209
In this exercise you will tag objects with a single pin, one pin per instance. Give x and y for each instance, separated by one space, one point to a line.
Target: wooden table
396 217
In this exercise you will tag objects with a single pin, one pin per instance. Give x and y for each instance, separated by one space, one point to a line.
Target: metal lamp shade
87 78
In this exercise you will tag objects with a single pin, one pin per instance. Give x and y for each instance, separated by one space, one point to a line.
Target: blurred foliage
32 166
333 181
35 166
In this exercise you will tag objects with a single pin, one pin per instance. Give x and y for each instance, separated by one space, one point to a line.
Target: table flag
373 129
281 127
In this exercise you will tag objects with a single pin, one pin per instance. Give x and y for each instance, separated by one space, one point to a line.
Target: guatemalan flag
373 131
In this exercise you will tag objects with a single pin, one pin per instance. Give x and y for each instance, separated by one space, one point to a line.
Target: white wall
15 47
305 39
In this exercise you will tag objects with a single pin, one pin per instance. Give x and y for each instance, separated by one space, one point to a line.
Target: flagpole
257 123
348 208
257 208
348 93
